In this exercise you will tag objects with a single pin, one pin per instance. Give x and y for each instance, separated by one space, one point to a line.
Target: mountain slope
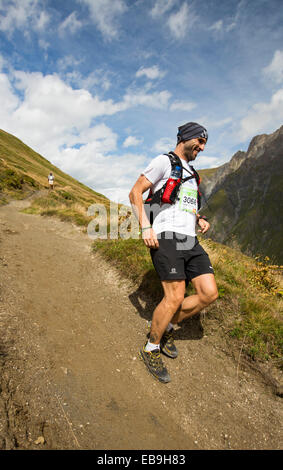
244 198
22 170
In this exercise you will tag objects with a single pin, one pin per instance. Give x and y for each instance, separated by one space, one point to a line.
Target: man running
176 253
51 180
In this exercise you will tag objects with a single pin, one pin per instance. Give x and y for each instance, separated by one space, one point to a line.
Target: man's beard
190 154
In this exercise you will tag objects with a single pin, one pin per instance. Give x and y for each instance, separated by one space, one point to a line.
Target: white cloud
43 44
50 107
161 7
108 174
8 100
59 122
131 141
182 106
205 161
263 117
20 14
71 23
231 22
274 71
105 14
180 22
68 61
42 21
217 26
157 100
151 73
164 144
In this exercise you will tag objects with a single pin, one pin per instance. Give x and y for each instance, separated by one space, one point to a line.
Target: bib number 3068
188 200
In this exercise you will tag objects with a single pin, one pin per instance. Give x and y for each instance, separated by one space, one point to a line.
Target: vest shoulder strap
174 160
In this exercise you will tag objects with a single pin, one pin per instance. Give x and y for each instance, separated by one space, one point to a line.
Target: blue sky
99 87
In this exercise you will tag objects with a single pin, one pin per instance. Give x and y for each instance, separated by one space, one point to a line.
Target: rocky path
71 378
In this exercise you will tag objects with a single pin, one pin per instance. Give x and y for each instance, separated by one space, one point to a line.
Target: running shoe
167 345
154 364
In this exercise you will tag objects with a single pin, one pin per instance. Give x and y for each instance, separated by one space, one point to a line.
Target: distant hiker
168 224
51 180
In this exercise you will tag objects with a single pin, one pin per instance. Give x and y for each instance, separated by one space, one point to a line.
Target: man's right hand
150 238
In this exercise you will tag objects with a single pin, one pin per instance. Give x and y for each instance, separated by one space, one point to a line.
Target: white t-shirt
181 216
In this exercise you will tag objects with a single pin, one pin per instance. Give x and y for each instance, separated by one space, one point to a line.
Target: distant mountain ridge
244 198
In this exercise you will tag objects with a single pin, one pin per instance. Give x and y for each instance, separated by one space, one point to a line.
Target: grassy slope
249 302
23 171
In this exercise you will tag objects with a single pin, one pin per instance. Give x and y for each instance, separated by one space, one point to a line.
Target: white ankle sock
169 327
151 346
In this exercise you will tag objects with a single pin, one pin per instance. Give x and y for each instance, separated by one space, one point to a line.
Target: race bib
188 200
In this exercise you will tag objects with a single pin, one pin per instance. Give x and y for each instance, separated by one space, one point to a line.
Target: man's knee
174 298
209 296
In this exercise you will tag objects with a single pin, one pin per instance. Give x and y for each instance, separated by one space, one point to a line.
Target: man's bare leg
173 297
206 293
174 308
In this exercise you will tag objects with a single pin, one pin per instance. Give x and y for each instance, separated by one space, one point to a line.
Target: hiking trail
71 329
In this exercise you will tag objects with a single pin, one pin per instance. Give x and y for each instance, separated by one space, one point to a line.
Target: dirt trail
71 330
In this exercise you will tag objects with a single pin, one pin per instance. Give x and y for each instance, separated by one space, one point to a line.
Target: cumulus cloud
50 105
60 123
151 73
9 101
263 117
107 173
131 141
274 71
105 15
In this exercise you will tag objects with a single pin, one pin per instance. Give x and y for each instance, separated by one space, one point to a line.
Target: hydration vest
156 198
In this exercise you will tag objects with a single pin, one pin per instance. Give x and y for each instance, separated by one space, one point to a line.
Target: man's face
192 147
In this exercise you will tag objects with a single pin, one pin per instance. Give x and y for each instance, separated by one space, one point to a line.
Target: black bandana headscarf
191 130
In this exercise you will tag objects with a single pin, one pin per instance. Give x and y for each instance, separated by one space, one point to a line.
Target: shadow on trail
147 297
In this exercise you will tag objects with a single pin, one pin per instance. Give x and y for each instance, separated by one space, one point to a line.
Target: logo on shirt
173 271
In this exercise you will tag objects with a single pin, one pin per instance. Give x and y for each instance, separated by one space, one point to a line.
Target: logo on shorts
173 271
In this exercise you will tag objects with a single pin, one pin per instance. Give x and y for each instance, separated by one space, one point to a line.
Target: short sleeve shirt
181 216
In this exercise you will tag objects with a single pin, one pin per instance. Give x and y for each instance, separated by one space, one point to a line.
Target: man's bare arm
136 199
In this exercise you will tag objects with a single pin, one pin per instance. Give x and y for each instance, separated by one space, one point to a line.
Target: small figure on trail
168 221
51 180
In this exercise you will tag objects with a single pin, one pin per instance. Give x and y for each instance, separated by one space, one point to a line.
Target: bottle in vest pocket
169 195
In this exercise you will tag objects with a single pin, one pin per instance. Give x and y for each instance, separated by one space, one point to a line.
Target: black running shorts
179 257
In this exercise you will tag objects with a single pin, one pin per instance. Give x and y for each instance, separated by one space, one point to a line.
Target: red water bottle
172 182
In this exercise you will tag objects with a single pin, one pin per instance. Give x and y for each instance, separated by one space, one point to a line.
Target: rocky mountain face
244 198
